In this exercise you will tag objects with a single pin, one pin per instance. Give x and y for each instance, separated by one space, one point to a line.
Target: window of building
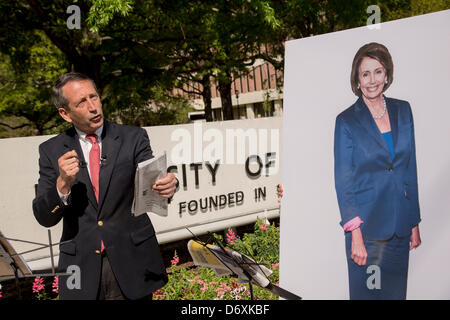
240 112
261 112
217 114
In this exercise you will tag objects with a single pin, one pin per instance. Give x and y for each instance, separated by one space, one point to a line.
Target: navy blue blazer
370 184
130 242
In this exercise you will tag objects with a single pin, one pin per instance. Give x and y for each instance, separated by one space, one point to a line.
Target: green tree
26 76
398 9
137 51
126 60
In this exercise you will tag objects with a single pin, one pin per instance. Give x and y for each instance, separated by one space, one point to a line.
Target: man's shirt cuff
63 197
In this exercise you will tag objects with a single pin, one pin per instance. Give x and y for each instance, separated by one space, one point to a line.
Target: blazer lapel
393 119
366 120
111 143
72 142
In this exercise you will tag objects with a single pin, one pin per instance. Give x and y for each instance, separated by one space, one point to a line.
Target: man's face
85 108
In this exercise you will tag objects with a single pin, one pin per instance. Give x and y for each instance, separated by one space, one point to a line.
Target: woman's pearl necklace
382 113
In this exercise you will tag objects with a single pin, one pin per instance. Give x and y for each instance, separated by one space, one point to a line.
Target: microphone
103 160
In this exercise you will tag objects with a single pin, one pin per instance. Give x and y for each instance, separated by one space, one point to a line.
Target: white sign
228 173
317 88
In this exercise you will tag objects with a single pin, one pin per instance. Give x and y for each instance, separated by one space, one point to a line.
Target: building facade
257 94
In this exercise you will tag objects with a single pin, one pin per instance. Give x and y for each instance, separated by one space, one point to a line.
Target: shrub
201 283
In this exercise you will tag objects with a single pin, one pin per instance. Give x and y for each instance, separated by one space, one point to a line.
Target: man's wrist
62 186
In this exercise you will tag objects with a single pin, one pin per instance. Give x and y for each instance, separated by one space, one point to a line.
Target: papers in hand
229 262
145 199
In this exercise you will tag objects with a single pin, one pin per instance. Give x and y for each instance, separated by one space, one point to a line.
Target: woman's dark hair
58 97
375 51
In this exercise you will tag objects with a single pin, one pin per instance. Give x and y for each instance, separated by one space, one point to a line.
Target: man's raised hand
68 168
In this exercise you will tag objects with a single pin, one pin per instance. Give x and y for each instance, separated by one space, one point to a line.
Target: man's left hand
166 186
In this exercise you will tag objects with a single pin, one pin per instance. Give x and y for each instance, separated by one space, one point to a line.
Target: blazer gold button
100 223
97 251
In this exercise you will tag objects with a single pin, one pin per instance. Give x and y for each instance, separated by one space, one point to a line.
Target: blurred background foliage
138 51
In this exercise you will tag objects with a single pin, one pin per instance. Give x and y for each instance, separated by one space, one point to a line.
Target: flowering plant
40 291
39 288
201 283
175 259
55 285
231 237
263 245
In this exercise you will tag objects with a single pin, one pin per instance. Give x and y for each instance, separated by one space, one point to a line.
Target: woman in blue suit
376 180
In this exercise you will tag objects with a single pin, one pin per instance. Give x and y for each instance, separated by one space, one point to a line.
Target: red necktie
94 167
94 162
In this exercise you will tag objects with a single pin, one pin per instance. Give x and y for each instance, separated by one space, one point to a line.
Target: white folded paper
145 199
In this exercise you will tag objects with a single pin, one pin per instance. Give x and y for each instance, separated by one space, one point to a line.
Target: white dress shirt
86 146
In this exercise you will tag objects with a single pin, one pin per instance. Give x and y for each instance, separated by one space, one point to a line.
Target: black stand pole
251 290
252 297
16 276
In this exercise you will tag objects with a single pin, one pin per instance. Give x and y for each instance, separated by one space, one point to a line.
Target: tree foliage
137 51
26 76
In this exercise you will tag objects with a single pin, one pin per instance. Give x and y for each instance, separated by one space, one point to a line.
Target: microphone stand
272 288
249 277
23 271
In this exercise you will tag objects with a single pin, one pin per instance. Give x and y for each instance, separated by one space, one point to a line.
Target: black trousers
109 288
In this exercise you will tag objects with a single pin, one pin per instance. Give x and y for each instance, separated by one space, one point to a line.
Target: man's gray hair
58 97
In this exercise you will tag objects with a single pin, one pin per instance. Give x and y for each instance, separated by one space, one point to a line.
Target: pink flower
160 294
230 236
55 285
263 227
224 288
220 293
275 265
175 260
38 284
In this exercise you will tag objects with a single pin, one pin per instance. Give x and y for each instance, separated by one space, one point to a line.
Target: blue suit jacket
370 184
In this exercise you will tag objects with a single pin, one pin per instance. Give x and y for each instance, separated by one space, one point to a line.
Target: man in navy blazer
381 190
117 254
